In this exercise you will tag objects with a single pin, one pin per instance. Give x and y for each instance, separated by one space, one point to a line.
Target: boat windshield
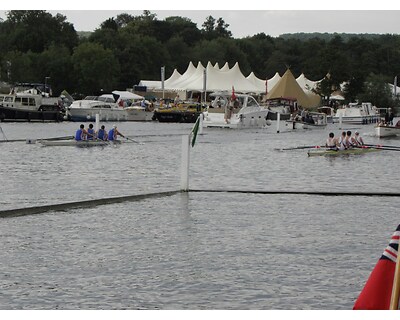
251 102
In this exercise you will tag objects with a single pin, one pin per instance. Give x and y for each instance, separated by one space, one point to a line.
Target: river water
196 250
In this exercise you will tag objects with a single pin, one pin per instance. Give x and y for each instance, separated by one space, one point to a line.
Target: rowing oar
298 148
133 140
5 138
60 138
378 146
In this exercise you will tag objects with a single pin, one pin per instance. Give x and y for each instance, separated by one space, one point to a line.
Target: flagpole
394 300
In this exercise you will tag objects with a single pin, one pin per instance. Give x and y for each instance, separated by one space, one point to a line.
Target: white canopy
305 83
221 79
126 95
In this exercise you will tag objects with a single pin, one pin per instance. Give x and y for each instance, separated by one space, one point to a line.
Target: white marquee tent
216 79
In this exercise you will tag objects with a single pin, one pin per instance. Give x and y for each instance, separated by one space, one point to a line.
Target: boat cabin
21 101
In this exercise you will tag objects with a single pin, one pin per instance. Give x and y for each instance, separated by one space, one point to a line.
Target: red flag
233 97
378 289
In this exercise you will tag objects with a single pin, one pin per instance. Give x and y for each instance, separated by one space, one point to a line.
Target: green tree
56 63
377 91
95 68
36 30
19 67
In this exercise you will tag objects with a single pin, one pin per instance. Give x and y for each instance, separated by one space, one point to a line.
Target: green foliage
377 91
95 68
127 49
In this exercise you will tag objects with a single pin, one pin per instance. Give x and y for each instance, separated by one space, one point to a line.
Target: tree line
126 49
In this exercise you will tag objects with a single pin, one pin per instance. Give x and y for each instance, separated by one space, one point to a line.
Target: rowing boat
82 143
329 152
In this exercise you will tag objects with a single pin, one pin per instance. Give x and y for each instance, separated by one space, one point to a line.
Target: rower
102 134
90 132
331 142
349 140
113 133
358 139
342 141
81 133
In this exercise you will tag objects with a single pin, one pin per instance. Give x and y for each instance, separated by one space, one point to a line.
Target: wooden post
394 300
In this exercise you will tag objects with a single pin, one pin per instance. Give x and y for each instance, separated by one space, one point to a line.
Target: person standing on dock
113 133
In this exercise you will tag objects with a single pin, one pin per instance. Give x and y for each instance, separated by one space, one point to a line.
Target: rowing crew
346 141
101 134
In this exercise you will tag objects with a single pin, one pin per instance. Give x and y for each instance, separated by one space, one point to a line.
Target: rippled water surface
201 250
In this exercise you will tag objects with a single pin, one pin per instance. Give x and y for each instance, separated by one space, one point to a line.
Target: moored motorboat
105 107
312 120
81 143
240 112
138 113
27 103
363 113
186 112
386 130
330 152
285 106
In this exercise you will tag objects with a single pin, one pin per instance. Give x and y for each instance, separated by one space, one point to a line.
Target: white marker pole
185 162
201 123
97 125
340 121
278 120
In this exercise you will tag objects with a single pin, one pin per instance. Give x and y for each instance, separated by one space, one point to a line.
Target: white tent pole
162 81
204 83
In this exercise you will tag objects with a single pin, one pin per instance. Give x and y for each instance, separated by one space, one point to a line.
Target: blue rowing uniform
90 134
111 134
78 135
101 134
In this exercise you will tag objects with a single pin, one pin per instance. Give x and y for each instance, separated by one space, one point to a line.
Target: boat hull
254 119
303 125
358 119
325 152
13 114
139 114
176 116
386 131
74 143
89 114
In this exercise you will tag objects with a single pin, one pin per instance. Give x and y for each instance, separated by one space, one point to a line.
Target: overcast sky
242 18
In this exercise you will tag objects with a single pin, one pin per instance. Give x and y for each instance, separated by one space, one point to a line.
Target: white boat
105 107
355 113
329 111
81 143
137 113
244 112
385 130
313 120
